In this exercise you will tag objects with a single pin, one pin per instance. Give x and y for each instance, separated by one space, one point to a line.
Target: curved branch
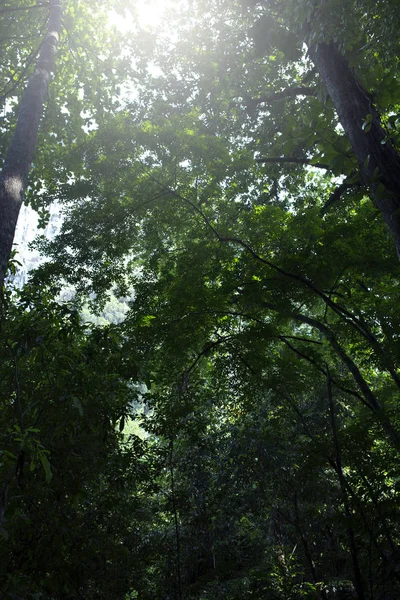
206 350
282 338
356 322
368 394
324 372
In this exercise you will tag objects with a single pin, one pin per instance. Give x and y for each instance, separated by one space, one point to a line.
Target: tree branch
290 92
324 371
338 192
291 159
348 317
282 338
206 350
368 394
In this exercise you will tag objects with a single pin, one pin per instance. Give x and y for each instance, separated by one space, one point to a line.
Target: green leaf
77 403
46 466
380 191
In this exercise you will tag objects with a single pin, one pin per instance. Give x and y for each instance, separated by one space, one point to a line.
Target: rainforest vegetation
229 172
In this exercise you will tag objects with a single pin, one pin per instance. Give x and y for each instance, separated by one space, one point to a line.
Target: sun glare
149 14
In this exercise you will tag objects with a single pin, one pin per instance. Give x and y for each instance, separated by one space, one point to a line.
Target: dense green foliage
235 433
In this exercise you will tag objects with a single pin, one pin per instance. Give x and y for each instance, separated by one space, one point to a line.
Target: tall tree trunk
378 160
14 176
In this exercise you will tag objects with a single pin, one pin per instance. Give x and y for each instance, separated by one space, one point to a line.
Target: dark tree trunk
378 160
14 176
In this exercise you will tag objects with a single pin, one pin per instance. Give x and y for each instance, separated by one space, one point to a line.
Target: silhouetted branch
338 192
290 159
290 92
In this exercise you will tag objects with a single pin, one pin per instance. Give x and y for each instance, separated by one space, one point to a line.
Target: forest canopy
229 173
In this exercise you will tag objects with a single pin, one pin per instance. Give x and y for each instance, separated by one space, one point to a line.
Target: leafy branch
8 9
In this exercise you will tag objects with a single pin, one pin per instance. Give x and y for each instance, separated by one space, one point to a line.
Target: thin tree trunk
342 482
14 175
306 546
378 159
176 520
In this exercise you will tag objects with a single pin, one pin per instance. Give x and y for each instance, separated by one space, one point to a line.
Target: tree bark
378 159
14 175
